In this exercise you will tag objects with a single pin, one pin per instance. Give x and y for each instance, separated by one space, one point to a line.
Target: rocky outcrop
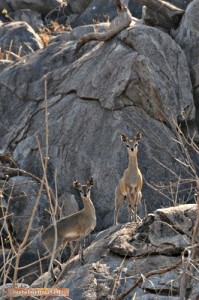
120 255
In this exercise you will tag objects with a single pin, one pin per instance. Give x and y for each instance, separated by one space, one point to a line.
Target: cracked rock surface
128 84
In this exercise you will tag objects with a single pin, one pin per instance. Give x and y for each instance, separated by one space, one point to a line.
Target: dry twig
140 279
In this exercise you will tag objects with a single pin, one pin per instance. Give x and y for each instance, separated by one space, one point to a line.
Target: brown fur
130 185
73 227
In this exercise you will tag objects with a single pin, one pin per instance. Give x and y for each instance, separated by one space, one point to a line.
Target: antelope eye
81 191
136 145
128 146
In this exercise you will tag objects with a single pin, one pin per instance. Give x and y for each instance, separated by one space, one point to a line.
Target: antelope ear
76 184
91 182
138 136
124 138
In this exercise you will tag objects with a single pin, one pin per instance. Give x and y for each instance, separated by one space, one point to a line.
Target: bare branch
10 171
122 21
140 279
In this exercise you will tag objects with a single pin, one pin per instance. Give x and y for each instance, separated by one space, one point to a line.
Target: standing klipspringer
73 227
130 185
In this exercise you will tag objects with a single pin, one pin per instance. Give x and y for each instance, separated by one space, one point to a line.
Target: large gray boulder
188 38
138 81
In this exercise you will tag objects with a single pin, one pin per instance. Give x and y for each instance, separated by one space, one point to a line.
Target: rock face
119 255
77 7
23 193
136 74
137 84
33 18
19 38
97 11
87 11
179 3
4 63
188 39
42 6
4 5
